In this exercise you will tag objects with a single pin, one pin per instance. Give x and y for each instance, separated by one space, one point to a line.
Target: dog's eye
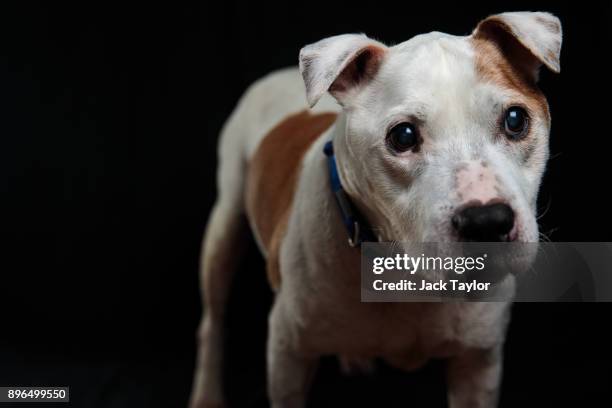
515 123
402 137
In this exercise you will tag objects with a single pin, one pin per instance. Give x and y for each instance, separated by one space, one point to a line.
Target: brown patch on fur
272 177
502 63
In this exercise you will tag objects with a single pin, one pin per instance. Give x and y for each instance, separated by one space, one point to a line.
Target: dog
437 139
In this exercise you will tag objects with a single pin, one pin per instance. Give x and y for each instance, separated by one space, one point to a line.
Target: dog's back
264 105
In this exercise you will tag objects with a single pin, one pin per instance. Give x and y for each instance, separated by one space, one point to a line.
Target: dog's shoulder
272 176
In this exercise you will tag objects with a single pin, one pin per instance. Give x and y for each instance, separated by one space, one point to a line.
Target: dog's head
445 138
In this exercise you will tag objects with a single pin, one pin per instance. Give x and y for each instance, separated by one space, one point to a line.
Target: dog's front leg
289 371
474 378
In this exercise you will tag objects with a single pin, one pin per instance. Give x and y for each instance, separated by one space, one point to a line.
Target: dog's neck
314 200
357 227
351 176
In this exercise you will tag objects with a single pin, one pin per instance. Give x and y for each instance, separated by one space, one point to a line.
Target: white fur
407 197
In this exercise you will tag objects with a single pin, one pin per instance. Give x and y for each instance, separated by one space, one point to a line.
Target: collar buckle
355 240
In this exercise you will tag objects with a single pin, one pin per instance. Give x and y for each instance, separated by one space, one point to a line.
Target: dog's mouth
512 236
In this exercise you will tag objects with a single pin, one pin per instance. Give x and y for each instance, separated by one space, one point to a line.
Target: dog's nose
484 223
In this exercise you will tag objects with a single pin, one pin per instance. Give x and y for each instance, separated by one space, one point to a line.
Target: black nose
484 223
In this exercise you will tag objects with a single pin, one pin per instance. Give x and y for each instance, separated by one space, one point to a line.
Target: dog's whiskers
545 236
548 205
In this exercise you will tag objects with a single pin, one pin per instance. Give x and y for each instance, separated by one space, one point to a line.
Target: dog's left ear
528 39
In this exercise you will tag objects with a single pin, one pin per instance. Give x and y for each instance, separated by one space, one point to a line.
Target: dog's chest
406 334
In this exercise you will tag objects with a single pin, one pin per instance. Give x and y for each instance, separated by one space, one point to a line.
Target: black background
110 116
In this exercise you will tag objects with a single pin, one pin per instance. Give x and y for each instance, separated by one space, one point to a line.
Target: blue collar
356 226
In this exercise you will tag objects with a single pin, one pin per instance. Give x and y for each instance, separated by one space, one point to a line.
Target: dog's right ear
340 65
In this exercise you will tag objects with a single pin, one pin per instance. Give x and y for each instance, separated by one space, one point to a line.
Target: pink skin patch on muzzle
476 183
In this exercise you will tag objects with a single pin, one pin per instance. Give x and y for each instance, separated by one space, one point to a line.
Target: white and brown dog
440 138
